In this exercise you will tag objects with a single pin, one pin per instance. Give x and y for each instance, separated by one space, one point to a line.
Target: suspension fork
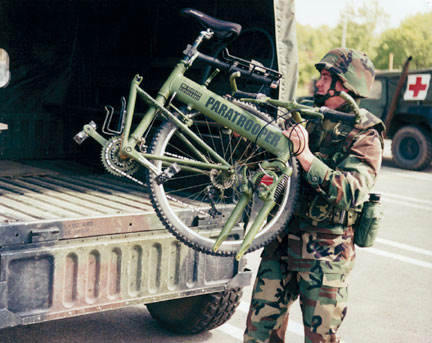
268 194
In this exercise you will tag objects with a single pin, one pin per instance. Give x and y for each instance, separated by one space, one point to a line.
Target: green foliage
412 38
312 44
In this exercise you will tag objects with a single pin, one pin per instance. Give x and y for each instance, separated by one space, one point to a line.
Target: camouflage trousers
323 305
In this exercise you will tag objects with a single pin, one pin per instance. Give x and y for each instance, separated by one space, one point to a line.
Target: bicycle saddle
222 29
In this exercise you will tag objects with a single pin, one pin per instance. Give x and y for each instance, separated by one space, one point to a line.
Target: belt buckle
342 217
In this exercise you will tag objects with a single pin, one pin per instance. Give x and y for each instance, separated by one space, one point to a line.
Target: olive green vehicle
75 239
403 100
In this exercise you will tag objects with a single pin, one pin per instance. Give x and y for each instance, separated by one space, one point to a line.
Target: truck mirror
4 68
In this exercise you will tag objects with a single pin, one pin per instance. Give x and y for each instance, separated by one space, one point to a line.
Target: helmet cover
354 68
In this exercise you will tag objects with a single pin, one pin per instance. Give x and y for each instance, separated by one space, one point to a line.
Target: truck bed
76 240
58 199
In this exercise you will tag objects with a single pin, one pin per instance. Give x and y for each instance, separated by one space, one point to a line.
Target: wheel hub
222 179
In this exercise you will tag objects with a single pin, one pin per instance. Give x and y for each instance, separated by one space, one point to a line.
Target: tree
314 43
412 38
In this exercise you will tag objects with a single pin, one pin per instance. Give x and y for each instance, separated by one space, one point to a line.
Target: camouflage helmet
352 67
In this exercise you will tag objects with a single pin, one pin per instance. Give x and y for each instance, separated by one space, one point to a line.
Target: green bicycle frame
223 112
199 98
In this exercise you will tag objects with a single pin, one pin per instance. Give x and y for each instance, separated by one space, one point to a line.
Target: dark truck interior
68 59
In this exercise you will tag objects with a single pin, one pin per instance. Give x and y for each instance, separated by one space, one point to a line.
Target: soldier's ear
341 87
4 68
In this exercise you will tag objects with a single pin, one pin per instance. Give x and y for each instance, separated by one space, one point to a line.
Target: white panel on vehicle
417 86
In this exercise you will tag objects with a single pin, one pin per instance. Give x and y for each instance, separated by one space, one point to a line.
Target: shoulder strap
350 138
368 120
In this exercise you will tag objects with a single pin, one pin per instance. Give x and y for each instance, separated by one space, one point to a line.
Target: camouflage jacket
339 179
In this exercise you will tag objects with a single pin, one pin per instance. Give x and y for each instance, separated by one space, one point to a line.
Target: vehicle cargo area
76 240
63 199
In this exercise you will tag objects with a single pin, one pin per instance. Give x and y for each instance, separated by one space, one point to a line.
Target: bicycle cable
288 118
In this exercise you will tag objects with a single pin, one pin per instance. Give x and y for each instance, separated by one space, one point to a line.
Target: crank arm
89 130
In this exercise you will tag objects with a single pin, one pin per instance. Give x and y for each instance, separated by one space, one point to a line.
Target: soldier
312 260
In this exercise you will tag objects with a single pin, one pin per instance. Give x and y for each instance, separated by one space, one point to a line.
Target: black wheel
412 148
253 43
198 313
194 204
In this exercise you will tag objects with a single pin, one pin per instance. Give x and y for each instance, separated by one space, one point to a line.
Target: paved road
390 288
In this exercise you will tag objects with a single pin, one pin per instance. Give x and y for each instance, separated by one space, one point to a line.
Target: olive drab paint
241 120
227 113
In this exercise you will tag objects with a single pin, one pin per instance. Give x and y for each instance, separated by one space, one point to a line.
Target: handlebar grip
334 115
260 79
241 94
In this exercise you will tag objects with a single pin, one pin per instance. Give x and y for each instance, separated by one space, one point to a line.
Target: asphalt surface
390 288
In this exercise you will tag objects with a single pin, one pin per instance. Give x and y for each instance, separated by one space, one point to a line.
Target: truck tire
195 314
412 148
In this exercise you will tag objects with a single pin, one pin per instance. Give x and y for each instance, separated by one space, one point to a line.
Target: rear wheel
412 148
195 204
198 313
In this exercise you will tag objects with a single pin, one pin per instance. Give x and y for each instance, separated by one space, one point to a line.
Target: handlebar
253 74
308 111
334 115
241 95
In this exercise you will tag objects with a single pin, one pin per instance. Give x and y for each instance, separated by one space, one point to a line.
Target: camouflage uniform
313 259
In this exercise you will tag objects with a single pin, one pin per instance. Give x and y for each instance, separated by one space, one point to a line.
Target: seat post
191 52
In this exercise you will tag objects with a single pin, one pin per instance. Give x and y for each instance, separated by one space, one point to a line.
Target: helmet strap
320 99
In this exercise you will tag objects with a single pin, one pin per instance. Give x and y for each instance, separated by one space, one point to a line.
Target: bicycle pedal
213 212
81 136
167 174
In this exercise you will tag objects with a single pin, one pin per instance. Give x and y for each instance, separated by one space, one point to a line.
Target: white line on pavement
244 306
399 257
231 330
421 176
405 203
404 246
404 198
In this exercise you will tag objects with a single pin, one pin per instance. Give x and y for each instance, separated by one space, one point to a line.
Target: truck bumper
58 279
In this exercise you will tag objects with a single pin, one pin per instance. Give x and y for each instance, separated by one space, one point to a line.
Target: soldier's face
324 83
323 87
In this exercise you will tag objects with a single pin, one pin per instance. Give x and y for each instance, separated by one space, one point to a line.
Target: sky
327 12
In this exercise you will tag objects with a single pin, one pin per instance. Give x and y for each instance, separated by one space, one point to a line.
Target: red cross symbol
417 87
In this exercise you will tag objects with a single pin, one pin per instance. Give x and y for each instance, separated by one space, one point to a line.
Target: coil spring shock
279 188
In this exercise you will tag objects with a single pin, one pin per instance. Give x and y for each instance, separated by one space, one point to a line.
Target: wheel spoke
213 197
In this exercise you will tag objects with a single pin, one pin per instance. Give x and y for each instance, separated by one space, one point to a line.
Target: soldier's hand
299 137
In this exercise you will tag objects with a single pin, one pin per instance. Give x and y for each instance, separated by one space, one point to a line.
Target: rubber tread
294 184
425 140
215 310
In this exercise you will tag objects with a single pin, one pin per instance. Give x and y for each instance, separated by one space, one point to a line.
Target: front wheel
194 204
412 148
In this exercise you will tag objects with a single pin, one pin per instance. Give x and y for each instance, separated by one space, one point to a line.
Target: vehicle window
376 91
4 68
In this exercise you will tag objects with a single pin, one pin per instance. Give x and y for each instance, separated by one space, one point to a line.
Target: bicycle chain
130 177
